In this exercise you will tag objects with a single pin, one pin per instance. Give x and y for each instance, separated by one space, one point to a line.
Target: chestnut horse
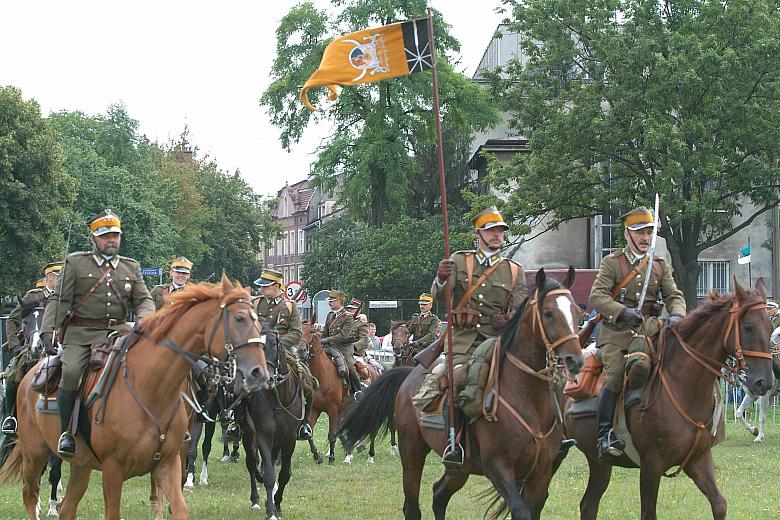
518 451
672 425
399 334
145 422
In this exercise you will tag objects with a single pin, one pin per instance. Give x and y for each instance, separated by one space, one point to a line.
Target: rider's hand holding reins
46 340
674 318
631 317
446 269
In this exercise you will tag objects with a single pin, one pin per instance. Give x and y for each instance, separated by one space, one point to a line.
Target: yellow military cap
52 267
354 304
638 218
40 283
489 218
772 305
105 222
269 277
425 298
181 265
336 295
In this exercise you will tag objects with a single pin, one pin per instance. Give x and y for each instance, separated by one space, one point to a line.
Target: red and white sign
296 289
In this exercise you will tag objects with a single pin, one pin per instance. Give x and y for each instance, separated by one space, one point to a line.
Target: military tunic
495 295
359 337
614 336
424 327
123 288
159 292
338 327
775 321
288 319
13 326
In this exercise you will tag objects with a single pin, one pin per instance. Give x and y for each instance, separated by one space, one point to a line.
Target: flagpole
750 265
445 221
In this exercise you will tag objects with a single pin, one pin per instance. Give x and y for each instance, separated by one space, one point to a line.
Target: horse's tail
10 461
374 412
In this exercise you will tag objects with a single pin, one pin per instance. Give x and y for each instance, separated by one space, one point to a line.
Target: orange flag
372 55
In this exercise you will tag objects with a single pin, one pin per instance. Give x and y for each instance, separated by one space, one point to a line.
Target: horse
672 425
763 401
399 334
517 452
330 397
270 426
144 422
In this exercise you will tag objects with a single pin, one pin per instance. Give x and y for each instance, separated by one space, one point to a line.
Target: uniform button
90 275
477 325
108 315
108 294
480 296
108 304
483 284
637 294
108 275
481 304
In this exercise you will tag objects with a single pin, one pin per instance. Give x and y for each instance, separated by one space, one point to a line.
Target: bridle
404 350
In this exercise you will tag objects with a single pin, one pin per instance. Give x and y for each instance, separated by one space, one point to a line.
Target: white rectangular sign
383 304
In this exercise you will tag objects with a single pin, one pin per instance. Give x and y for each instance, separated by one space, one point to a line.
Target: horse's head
747 336
399 338
309 346
236 335
32 319
553 316
274 352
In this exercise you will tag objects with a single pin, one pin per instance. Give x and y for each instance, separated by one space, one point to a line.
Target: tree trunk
685 264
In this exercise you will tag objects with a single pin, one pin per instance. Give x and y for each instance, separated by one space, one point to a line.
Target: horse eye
239 317
548 314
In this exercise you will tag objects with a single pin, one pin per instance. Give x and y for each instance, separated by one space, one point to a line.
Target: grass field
748 474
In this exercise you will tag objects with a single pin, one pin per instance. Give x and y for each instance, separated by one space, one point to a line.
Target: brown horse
144 424
518 451
673 423
399 334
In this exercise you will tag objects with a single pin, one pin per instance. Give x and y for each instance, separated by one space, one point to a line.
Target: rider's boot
304 432
608 444
9 408
66 400
357 386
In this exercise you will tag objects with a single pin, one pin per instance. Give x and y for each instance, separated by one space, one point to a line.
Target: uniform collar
175 288
100 260
488 259
47 292
631 256
275 301
340 311
424 314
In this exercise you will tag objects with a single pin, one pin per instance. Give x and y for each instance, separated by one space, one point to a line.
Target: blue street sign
151 271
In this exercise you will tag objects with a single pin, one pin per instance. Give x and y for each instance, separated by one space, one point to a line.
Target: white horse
763 401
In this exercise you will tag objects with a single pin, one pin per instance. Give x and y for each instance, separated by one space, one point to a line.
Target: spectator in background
375 343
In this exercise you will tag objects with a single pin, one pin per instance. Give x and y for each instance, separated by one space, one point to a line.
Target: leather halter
550 374
739 352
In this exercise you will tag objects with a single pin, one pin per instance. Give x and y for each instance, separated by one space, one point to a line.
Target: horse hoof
754 431
370 460
189 487
758 440
53 509
255 507
225 458
394 451
318 459
204 482
348 459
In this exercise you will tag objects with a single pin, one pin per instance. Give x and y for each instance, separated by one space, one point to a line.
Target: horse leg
503 479
599 475
315 414
371 451
55 474
251 466
192 455
393 444
333 419
155 501
113 479
413 453
168 475
702 472
746 403
285 472
763 404
269 478
443 489
536 490
649 482
33 465
77 486
234 454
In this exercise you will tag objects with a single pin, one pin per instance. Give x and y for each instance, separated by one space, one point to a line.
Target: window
301 243
292 242
713 276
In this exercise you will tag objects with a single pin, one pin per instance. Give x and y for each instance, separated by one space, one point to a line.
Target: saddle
591 377
363 366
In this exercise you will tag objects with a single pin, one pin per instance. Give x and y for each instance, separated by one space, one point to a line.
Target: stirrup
9 425
304 432
453 458
614 446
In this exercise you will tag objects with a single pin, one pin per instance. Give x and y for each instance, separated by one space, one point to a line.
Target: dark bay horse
144 424
270 426
518 451
672 425
399 334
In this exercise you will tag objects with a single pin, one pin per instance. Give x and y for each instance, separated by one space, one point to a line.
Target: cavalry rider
774 313
91 300
290 329
336 334
423 326
486 286
40 295
622 318
181 270
359 334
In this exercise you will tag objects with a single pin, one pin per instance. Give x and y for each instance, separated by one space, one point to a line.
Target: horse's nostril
259 374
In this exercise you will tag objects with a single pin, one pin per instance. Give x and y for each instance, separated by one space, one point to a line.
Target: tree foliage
383 133
624 99
35 191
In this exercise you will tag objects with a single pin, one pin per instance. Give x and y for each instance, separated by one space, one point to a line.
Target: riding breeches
75 360
613 357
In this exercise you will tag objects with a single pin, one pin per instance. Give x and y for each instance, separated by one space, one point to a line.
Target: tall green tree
383 132
35 192
624 99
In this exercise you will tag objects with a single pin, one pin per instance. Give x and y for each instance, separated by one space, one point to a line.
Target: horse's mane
160 323
512 327
714 302
395 324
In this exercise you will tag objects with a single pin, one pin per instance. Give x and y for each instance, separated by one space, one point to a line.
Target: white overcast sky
203 64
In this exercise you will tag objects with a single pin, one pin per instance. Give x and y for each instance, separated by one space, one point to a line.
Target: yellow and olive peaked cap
52 267
105 222
489 218
181 265
638 218
269 277
425 298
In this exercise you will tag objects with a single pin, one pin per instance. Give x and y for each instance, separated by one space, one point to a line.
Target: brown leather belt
95 324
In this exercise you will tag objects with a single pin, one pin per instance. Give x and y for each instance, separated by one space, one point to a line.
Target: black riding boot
233 431
9 408
357 386
304 432
66 400
608 444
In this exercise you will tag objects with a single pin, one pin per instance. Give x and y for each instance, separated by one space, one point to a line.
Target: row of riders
97 287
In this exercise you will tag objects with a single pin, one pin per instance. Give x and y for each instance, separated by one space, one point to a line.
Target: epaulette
160 285
464 252
80 253
32 291
128 259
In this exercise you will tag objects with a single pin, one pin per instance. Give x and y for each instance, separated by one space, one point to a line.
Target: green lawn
749 475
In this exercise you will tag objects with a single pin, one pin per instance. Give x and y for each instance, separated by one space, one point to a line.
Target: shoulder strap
471 288
514 269
627 278
658 269
289 305
469 266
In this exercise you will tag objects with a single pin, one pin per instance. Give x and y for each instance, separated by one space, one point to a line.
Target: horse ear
739 291
761 287
227 286
568 282
313 318
541 279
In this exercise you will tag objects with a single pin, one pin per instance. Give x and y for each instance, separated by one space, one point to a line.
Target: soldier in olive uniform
774 313
337 334
36 298
622 318
181 270
423 326
91 300
290 328
359 334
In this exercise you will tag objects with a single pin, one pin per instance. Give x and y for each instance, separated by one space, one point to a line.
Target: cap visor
102 231
491 225
643 225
